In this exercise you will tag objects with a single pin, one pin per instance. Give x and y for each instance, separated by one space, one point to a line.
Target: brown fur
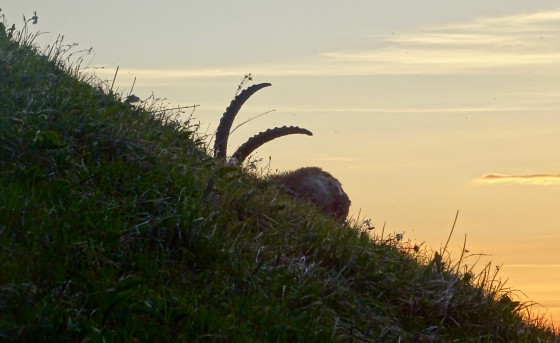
317 186
310 183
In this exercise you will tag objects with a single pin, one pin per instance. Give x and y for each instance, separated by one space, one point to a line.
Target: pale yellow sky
420 108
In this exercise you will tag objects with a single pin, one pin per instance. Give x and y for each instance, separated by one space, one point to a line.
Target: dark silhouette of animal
309 183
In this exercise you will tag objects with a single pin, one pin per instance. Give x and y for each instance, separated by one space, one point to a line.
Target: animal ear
256 141
222 133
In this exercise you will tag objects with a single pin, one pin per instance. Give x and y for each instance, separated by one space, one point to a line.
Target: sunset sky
419 108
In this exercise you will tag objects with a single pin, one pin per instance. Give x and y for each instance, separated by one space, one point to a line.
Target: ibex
310 183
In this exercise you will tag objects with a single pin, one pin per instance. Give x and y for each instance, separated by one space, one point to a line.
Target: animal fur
310 183
317 186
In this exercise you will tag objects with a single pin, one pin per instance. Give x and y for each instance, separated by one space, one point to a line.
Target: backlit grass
117 225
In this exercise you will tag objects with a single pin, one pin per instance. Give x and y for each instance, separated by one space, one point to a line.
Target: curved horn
222 133
256 141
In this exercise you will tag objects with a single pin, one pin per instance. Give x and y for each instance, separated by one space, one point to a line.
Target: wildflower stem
451 233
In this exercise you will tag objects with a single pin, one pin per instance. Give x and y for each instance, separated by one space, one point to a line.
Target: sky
420 108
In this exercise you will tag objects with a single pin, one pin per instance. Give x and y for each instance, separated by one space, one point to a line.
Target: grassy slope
115 225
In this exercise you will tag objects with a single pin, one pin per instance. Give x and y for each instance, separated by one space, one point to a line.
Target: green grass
117 225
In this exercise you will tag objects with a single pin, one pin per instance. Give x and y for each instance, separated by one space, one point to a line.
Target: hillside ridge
116 224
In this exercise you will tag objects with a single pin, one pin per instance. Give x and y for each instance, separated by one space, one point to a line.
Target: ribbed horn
256 141
222 133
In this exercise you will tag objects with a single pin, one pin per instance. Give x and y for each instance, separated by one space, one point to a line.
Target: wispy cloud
535 265
535 179
167 75
339 159
527 42
507 44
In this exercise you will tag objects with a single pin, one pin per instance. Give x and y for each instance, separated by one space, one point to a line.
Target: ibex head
310 183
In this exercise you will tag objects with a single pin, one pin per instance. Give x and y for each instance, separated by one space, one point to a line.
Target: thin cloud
535 179
535 265
156 75
525 42
508 44
339 159
543 21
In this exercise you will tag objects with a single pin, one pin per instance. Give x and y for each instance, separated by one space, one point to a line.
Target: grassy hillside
117 225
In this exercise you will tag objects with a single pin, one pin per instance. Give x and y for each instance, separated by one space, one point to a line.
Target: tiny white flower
232 161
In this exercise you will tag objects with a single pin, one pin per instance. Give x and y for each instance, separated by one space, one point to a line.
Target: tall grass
117 225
